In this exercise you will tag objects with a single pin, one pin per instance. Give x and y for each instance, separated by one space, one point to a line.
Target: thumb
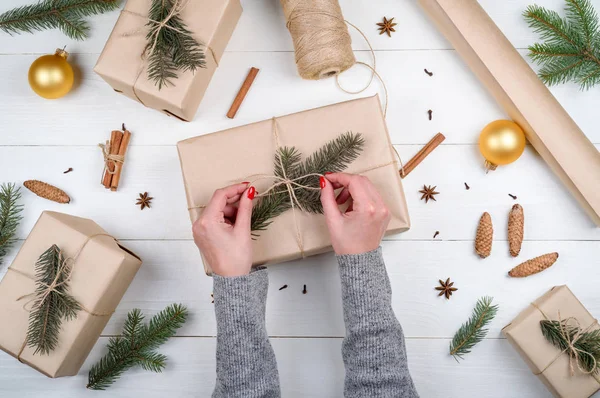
243 219
330 207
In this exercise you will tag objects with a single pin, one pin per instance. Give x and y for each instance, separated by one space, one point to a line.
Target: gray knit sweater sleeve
246 365
374 351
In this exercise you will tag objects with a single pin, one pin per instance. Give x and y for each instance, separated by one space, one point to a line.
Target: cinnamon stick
422 154
115 142
119 166
237 102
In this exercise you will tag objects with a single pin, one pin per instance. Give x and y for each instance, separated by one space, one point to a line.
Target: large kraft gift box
121 65
215 160
543 358
101 274
523 96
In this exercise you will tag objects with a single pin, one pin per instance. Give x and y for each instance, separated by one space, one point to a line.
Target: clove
70 169
283 287
304 290
436 234
429 73
512 196
467 187
430 112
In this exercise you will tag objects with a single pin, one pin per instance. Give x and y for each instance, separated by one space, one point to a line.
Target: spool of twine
321 39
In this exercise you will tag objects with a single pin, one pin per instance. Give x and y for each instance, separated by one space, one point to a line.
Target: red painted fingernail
322 182
246 182
251 193
328 172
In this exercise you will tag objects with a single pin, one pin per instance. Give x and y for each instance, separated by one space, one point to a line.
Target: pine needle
473 331
588 344
50 310
172 48
10 216
571 51
66 15
137 345
333 157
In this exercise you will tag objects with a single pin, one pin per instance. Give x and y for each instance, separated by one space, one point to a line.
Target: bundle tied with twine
51 302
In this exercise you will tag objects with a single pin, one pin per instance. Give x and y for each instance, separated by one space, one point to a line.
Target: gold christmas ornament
501 142
51 76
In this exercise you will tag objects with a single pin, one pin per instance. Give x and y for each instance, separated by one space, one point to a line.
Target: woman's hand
223 230
361 227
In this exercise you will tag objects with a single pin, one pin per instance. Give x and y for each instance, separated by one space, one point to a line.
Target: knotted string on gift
322 43
108 158
153 33
64 272
571 350
290 184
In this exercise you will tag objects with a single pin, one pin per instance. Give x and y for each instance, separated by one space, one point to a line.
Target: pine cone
533 266
516 223
485 234
47 191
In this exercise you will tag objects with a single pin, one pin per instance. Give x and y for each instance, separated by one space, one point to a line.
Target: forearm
246 365
374 351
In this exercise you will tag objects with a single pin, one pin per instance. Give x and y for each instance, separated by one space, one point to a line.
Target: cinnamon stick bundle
119 141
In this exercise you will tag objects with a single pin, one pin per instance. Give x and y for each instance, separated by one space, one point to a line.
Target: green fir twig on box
52 302
587 345
10 216
571 48
66 15
333 157
171 48
473 331
137 346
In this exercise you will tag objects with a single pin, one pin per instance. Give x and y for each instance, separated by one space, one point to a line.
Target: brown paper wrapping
120 64
515 86
101 274
212 161
525 335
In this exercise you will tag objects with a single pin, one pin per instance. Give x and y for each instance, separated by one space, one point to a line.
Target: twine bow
65 270
572 351
108 157
291 185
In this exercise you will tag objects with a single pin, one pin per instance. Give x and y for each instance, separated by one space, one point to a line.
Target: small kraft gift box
247 153
124 61
98 271
558 369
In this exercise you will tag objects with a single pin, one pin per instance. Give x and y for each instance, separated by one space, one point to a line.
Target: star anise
428 193
144 201
446 288
387 26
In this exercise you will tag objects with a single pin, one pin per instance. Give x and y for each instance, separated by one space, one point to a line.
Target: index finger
350 181
222 197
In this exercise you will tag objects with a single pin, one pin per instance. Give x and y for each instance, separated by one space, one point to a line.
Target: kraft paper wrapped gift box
101 274
121 64
215 160
544 359
517 89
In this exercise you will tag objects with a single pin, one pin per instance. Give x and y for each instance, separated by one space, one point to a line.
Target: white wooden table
40 139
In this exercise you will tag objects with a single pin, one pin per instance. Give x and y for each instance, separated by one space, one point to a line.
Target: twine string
65 270
108 158
573 352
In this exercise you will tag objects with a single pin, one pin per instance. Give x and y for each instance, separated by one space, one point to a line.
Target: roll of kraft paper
516 87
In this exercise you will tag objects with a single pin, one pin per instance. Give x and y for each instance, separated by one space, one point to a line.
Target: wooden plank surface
40 139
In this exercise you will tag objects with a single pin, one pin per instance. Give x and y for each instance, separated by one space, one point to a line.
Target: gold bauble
501 142
51 76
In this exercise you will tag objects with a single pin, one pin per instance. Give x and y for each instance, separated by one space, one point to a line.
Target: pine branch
473 331
66 15
49 311
171 48
136 346
10 216
333 157
571 51
588 344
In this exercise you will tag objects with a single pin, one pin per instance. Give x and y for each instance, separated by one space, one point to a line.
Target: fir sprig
10 216
66 15
587 344
473 331
571 51
171 48
50 309
137 345
333 157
